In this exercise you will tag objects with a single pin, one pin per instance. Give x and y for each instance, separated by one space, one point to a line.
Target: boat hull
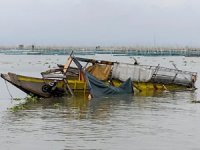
39 86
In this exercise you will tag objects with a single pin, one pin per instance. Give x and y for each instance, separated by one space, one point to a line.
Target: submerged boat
67 80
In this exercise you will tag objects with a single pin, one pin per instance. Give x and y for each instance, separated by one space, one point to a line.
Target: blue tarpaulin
99 88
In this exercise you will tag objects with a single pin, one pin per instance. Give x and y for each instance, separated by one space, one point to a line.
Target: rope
8 90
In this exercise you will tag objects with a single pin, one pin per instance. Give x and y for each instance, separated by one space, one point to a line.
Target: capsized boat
66 79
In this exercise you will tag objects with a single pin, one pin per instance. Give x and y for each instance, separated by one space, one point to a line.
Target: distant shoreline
103 48
128 51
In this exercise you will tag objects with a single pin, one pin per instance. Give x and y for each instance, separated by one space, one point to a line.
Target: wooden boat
67 80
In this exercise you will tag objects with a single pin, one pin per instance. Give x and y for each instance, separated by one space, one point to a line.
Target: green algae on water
25 104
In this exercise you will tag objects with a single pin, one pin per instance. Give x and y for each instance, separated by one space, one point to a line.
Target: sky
100 22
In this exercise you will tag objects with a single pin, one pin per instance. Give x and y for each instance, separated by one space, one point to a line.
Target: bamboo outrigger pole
65 69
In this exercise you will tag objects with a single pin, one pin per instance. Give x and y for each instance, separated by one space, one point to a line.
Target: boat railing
165 69
169 75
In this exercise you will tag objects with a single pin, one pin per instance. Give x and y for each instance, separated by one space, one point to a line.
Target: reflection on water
80 107
109 122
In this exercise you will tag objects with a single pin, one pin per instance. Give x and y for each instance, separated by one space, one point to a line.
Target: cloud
87 22
168 3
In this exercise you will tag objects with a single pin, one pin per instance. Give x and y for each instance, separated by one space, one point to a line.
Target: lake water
161 121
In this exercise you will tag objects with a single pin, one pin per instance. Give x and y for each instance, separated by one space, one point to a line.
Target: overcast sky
100 22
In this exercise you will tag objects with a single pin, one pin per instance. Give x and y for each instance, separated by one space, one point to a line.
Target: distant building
21 46
98 47
33 47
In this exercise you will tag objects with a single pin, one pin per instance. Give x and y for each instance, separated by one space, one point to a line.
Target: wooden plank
67 64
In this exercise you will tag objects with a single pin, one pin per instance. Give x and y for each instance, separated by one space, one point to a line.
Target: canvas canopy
137 73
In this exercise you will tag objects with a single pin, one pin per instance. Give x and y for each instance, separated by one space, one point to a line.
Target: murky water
161 121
